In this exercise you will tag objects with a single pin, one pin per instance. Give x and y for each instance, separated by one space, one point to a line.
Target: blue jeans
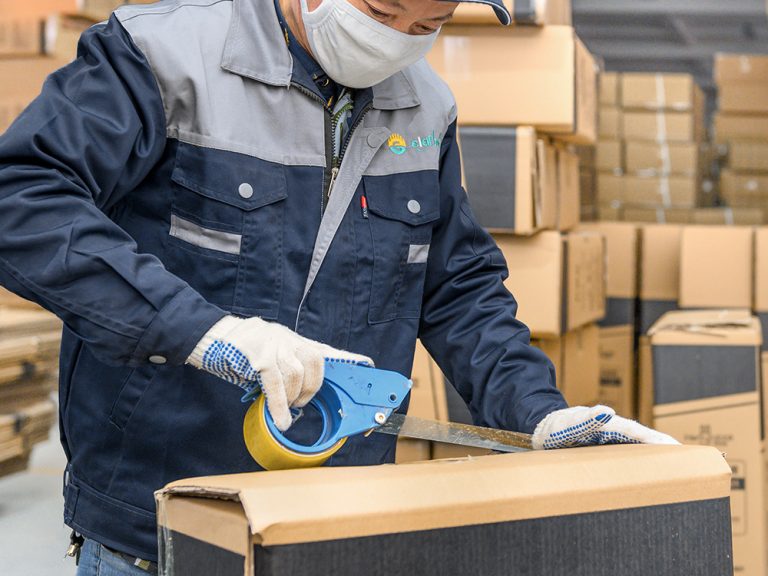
95 560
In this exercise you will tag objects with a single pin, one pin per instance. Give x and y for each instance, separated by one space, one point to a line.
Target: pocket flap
229 177
413 198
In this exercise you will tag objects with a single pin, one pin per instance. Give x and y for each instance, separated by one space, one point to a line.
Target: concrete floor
33 537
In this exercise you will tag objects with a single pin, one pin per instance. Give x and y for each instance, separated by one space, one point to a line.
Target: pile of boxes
741 127
653 157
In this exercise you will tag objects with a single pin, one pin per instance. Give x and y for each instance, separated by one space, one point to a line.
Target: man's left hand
582 426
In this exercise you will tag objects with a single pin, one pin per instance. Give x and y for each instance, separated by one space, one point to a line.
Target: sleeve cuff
176 330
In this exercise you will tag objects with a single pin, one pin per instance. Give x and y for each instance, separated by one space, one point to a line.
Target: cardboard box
576 357
660 92
485 69
744 189
740 68
568 190
728 216
423 404
760 305
350 520
610 156
611 123
501 171
617 369
610 89
29 75
101 9
740 127
747 156
659 271
666 191
26 28
656 215
608 213
707 382
621 262
716 267
644 381
660 159
558 280
743 98
524 13
661 126
610 189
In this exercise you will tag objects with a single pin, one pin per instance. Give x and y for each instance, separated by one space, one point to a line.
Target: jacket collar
255 48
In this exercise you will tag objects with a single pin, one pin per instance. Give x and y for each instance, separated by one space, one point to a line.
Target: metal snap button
374 140
245 190
414 207
158 359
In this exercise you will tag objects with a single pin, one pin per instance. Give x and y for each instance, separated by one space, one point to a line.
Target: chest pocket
402 209
226 230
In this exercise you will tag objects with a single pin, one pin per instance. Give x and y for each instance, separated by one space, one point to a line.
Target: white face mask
354 49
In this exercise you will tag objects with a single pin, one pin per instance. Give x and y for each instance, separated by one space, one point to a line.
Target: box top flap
287 507
708 327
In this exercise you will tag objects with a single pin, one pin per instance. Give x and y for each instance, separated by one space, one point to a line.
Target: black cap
498 6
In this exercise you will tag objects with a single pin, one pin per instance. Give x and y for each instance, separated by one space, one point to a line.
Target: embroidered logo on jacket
398 145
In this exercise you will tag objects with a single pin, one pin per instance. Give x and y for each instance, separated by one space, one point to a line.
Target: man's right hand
252 352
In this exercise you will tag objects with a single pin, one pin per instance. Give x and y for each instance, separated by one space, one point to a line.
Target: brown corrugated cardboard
549 183
707 381
734 127
346 520
610 156
659 272
558 279
661 126
610 189
507 195
576 357
617 369
622 249
743 98
25 26
608 213
660 91
28 75
610 89
558 73
656 215
644 381
716 267
731 68
422 405
744 188
610 123
568 189
728 216
101 9
656 159
748 156
524 13
666 191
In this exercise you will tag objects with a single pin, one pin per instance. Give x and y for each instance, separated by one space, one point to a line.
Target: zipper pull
334 174
75 545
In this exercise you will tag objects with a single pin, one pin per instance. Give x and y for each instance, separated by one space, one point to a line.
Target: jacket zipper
344 144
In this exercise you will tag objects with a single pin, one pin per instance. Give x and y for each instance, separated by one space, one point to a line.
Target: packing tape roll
268 452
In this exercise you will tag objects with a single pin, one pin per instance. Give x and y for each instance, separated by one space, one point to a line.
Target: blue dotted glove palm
582 426
258 355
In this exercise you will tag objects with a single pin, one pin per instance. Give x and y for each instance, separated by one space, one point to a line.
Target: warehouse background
619 155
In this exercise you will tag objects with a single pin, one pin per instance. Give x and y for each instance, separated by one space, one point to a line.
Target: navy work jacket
177 171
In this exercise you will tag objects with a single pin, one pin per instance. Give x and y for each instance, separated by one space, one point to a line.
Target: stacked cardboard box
650 156
742 126
707 390
29 349
27 28
524 175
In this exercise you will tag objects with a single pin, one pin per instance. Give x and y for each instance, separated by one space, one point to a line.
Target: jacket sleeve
468 317
94 133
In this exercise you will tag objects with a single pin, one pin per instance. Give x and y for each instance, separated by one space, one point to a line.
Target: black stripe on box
618 312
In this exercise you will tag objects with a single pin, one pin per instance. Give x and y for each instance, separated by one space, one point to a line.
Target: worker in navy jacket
221 192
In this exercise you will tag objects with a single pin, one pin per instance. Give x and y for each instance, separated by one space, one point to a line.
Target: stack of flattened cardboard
742 125
522 170
650 156
29 349
707 390
532 513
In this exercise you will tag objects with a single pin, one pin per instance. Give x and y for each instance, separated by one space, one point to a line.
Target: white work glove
582 426
253 353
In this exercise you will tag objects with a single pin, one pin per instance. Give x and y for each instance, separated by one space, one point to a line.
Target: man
220 192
